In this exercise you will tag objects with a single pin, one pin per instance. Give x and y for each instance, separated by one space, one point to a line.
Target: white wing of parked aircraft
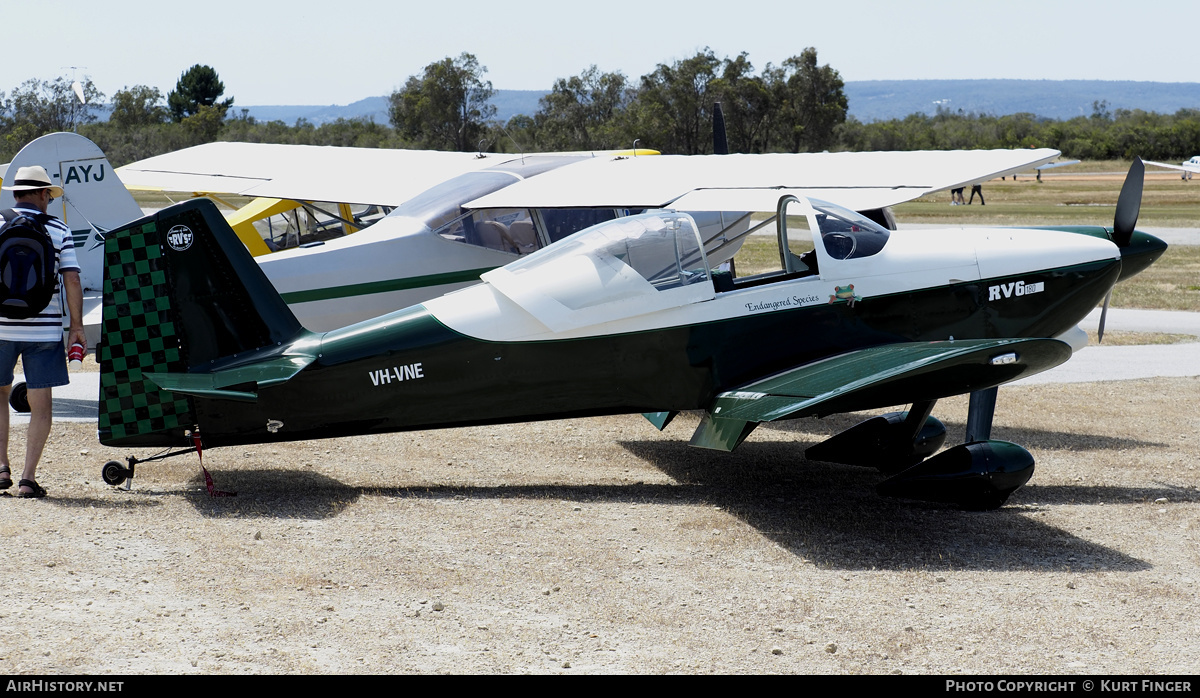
859 181
302 172
282 177
1188 168
438 244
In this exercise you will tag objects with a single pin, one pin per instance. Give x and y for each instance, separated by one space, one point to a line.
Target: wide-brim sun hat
31 178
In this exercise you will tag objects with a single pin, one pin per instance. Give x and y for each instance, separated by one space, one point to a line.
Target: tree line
797 106
794 106
1104 135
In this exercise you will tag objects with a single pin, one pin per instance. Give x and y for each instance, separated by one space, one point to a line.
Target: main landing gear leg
890 442
980 411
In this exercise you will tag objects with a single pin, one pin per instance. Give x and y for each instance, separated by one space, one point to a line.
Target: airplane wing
875 377
1182 168
379 176
746 182
1054 165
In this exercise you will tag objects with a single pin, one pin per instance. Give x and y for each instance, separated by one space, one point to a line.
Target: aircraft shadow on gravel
1040 439
831 515
825 513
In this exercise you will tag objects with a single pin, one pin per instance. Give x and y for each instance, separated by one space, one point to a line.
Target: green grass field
1066 199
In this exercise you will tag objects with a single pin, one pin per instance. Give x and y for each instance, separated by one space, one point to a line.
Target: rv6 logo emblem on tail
180 237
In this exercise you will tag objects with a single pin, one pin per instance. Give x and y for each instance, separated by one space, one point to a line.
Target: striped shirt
47 325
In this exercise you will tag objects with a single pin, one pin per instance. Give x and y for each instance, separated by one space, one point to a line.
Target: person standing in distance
38 339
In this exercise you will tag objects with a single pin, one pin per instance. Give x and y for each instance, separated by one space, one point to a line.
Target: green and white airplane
627 316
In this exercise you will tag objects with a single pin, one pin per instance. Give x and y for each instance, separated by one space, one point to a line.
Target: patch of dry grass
1171 283
1063 200
1120 338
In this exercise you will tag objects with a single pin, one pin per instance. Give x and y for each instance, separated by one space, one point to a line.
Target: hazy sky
339 51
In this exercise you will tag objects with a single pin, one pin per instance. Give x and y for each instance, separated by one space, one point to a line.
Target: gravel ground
600 545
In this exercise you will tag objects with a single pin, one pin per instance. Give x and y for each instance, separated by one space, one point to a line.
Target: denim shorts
44 363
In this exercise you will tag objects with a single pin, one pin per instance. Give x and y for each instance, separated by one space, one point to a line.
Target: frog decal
844 294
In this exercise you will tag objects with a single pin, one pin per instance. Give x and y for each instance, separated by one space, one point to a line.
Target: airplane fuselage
411 370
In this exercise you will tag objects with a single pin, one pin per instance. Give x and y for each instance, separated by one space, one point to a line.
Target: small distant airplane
626 316
1187 168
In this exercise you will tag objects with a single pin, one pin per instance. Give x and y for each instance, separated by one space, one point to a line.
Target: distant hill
871 100
508 104
375 108
878 100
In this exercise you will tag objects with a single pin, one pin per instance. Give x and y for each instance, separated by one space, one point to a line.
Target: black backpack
27 264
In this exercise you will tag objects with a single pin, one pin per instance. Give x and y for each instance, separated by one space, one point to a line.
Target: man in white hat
38 340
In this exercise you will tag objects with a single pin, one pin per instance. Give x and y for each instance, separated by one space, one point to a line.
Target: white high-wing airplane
283 178
1187 168
447 237
433 243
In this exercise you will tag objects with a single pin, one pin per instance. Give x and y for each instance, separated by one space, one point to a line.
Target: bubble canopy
621 268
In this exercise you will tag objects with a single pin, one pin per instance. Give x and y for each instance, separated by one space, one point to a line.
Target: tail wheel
114 473
19 398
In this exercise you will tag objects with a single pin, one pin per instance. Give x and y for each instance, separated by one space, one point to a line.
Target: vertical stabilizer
94 200
181 295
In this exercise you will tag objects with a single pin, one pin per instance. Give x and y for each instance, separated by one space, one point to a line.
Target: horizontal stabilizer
221 384
889 375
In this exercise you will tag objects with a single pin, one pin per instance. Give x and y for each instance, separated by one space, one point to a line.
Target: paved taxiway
1099 362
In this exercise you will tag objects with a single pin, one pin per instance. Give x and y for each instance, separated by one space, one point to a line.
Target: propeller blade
1129 203
720 142
1103 317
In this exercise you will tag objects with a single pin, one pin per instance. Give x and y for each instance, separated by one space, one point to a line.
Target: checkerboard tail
181 294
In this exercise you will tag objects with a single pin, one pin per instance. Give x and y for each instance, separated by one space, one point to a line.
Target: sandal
38 490
5 478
